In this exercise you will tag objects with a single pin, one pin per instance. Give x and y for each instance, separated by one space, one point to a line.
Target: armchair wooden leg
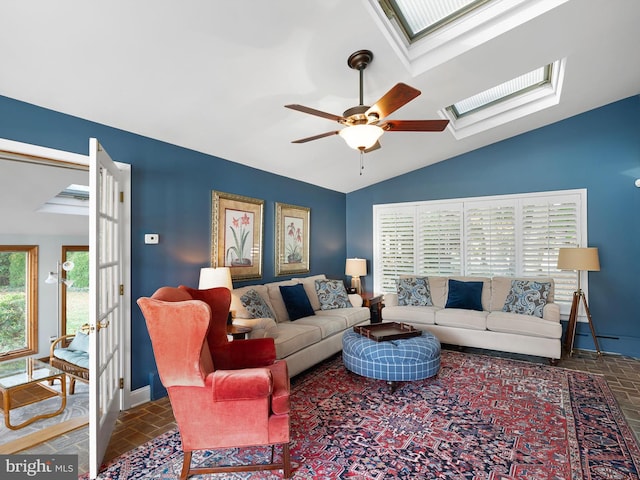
286 461
72 385
186 465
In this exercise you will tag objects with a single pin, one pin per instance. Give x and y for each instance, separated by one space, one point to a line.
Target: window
75 298
417 18
18 300
513 99
508 235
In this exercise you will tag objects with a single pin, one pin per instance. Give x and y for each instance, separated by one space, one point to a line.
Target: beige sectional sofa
492 328
307 340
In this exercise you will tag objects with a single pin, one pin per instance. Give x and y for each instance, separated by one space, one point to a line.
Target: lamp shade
361 137
356 267
584 259
215 277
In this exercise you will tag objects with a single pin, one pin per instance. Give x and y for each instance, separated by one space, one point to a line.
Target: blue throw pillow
255 305
80 342
414 291
527 297
296 301
332 294
465 295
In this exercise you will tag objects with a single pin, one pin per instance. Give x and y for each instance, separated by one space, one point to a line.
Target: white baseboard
140 396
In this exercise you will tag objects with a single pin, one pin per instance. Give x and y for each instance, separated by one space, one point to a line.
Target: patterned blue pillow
527 297
332 294
414 291
255 305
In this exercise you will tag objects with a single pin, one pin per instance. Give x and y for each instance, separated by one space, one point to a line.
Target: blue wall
598 150
171 196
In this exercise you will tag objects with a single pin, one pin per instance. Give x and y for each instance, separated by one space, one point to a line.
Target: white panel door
107 301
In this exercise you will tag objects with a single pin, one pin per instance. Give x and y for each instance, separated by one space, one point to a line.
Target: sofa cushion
238 309
293 336
501 286
528 325
410 314
255 305
332 294
457 317
527 297
296 301
352 316
414 291
275 298
80 342
464 295
310 287
328 324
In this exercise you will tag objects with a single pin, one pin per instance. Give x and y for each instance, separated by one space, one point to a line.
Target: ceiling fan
364 125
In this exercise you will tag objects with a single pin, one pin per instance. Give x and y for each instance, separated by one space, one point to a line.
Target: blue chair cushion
81 359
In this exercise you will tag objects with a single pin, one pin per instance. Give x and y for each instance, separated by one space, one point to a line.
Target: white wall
49 251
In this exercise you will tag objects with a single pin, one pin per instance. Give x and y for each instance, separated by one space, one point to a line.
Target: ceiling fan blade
399 95
313 111
316 137
375 146
415 125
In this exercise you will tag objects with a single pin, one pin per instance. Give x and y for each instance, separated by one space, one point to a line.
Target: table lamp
216 277
579 259
356 268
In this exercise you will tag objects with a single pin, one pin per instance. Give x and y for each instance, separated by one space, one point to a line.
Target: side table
237 332
374 303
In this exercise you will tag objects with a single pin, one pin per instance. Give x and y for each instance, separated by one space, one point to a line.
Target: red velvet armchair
223 394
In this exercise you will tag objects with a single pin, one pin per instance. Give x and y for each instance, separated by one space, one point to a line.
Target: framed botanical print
292 239
236 234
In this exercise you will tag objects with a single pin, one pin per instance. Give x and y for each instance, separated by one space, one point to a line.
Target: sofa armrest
551 311
260 327
390 299
355 299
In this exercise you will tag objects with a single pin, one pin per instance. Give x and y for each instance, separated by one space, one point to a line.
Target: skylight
427 33
517 86
418 18
73 200
513 99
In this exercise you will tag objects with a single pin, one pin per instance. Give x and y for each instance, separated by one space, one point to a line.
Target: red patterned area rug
480 418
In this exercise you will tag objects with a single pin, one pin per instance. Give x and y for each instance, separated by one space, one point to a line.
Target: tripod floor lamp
579 259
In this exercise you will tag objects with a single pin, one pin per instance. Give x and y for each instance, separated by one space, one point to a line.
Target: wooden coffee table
24 381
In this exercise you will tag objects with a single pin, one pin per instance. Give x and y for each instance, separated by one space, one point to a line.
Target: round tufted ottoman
394 361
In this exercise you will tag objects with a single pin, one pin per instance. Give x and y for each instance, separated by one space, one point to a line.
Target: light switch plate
151 238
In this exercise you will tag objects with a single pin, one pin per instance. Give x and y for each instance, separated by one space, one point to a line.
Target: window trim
464 203
63 291
31 347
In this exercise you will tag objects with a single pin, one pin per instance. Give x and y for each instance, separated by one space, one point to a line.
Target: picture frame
236 234
292 239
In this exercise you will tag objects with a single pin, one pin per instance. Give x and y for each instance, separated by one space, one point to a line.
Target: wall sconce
356 268
57 278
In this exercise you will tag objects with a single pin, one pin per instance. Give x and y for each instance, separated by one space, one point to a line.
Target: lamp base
356 285
569 339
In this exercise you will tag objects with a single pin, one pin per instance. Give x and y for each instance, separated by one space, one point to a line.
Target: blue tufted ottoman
395 360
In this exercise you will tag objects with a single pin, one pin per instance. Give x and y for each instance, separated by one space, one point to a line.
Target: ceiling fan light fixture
361 137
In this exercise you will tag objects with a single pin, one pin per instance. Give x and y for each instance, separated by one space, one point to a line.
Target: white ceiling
214 76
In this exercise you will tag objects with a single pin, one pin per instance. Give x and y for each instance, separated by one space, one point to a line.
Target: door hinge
121 289
121 197
121 383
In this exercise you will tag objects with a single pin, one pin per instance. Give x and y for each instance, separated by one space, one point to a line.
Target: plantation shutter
547 225
490 239
440 240
394 246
